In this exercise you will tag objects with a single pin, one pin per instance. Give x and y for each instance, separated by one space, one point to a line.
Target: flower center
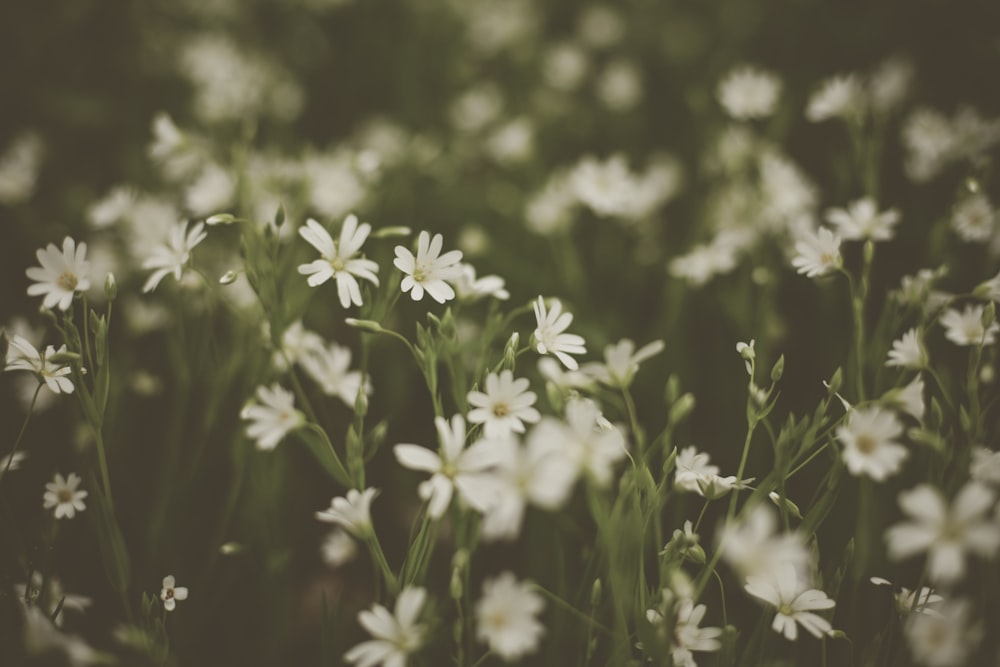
866 444
501 410
68 281
170 593
337 263
786 609
65 496
419 274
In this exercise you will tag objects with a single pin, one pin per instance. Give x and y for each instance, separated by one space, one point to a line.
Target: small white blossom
429 270
838 97
793 601
908 351
966 327
338 548
985 466
974 219
170 594
171 257
338 258
909 399
22 356
273 417
817 254
63 495
621 362
870 447
946 533
470 288
753 546
352 512
455 467
61 275
504 407
590 445
748 92
944 639
396 635
905 602
329 366
549 333
688 637
861 220
506 617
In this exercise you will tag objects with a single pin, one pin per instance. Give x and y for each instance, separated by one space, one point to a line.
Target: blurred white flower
334 185
620 86
328 366
170 593
590 445
63 495
946 533
338 258
600 26
870 447
687 636
966 327
752 546
504 407
41 638
861 221
455 467
749 92
944 639
353 512
396 635
338 548
112 208
908 351
905 602
793 601
691 465
61 275
910 399
20 165
536 473
12 461
471 288
549 336
985 466
974 219
564 66
556 374
621 362
273 417
840 96
890 83
606 187
296 343
54 597
171 257
512 143
817 253
429 270
506 617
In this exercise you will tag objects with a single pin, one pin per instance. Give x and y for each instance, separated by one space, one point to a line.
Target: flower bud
364 325
110 286
228 278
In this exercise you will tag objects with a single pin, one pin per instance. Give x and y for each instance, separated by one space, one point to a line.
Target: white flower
607 187
590 445
20 165
688 637
273 417
328 365
990 289
170 593
506 617
621 362
752 546
62 273
429 270
537 472
689 466
41 638
454 468
945 533
944 639
49 590
112 207
838 97
908 351
470 288
549 336
352 513
22 356
296 343
966 327
338 548
554 373
974 219
905 602
170 258
748 92
504 407
396 635
861 220
817 254
564 66
62 494
793 601
909 399
890 84
870 447
12 461
338 258
619 85
985 466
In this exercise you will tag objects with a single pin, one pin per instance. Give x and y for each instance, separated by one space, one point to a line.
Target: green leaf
321 447
109 537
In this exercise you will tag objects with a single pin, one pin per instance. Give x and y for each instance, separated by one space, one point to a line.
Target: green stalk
20 434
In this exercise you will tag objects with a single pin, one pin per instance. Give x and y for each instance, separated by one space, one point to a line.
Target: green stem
20 434
383 564
573 610
731 512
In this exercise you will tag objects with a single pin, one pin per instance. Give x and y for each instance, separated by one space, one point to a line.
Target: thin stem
20 434
810 458
573 610
743 463
634 423
383 564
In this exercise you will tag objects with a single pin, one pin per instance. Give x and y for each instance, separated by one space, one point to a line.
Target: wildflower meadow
483 332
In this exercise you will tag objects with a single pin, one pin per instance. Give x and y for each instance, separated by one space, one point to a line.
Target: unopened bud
220 219
595 594
389 232
364 325
110 286
228 278
778 369
510 351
